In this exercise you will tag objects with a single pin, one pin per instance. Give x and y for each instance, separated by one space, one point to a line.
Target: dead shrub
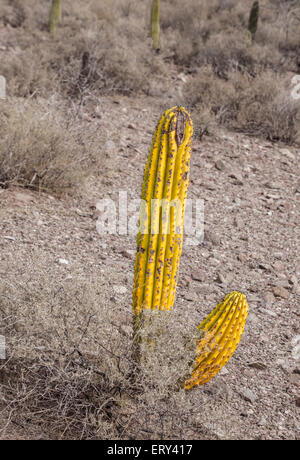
42 150
120 56
260 106
69 372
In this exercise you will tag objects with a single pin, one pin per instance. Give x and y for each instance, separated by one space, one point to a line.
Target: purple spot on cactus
185 176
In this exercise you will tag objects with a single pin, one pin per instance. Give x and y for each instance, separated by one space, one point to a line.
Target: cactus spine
159 241
55 16
155 27
221 332
253 20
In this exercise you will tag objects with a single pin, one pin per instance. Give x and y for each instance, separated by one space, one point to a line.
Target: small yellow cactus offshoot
221 332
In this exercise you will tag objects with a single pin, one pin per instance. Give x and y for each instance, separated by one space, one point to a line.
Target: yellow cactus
221 332
55 16
159 241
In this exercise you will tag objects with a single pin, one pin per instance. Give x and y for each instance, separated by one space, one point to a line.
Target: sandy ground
251 194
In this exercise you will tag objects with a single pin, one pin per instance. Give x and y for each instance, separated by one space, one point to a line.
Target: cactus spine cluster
159 241
55 16
221 332
253 20
155 27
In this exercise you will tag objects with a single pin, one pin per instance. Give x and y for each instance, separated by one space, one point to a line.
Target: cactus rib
159 241
221 332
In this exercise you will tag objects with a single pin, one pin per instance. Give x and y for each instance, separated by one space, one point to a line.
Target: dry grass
261 106
105 49
41 149
69 371
112 35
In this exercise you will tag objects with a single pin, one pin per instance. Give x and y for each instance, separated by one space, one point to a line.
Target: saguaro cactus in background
221 332
55 15
159 242
253 20
155 27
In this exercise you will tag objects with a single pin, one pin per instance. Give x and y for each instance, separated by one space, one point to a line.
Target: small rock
212 238
131 126
249 373
284 365
193 241
265 311
262 422
257 365
269 298
273 185
209 186
120 289
220 165
109 146
296 289
199 275
294 380
218 388
264 337
279 291
248 395
253 298
293 280
63 261
238 223
278 266
287 154
224 371
82 213
191 296
238 178
126 330
298 402
224 278
283 282
126 254
242 257
9 238
184 281
296 347
263 266
252 318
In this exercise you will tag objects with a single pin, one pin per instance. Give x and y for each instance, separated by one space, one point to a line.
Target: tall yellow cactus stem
159 241
55 16
155 27
221 332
